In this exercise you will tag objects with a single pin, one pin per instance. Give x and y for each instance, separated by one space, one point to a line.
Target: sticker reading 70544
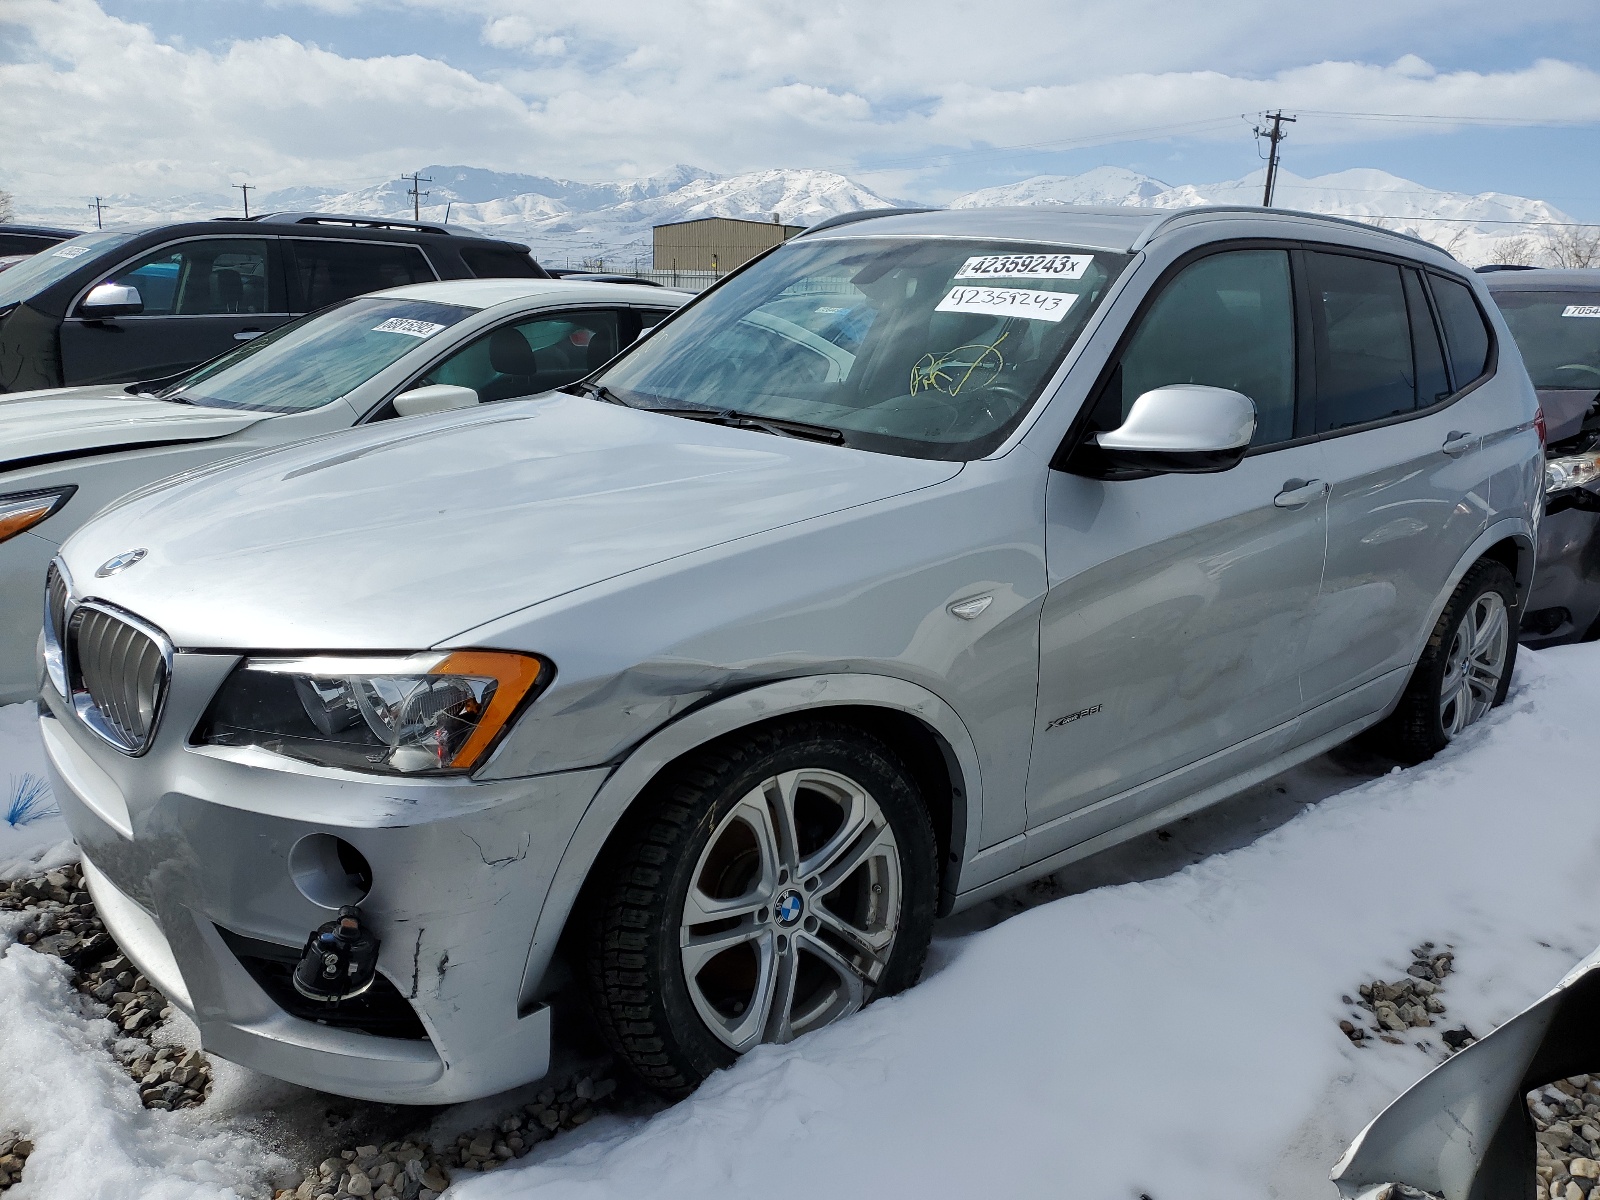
1008 302
1581 310
405 325
1025 266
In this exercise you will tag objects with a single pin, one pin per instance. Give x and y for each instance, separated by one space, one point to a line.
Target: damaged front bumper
211 866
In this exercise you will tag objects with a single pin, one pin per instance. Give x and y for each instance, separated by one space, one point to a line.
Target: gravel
14 1151
1389 1009
1566 1122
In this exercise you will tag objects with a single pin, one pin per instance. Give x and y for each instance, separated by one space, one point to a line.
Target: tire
1478 625
830 917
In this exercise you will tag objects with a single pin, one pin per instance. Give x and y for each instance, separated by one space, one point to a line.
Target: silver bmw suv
927 554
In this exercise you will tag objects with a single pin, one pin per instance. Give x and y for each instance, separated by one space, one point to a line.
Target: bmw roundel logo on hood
120 562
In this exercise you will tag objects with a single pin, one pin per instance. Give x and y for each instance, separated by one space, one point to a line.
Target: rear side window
1364 365
206 277
1433 382
1226 321
500 262
1466 333
328 271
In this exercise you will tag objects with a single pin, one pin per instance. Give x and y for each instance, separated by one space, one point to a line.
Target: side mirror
434 398
112 300
1185 428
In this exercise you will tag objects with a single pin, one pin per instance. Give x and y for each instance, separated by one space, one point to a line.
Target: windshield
38 271
317 359
926 347
1558 334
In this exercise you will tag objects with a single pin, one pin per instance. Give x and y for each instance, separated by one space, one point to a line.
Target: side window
1466 334
328 271
499 262
209 277
535 355
1364 365
1433 382
1226 321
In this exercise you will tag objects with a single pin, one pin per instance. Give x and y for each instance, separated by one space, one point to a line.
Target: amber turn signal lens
21 511
515 676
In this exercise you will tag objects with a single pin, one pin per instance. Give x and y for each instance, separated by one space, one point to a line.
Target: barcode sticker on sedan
416 329
70 251
1581 310
1025 266
1008 302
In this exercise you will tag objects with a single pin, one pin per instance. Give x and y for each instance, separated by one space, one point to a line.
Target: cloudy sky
915 98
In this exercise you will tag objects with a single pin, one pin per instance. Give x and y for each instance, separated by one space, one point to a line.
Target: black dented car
1555 318
146 302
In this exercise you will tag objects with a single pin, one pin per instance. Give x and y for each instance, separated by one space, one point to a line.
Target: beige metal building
715 243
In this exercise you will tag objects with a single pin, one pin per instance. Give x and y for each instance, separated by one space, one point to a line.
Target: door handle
1457 442
1297 493
248 335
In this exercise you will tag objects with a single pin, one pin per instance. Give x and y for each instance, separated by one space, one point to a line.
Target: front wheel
773 885
1465 669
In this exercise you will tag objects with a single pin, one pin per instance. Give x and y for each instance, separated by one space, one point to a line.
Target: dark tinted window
1363 339
25 243
330 271
532 356
207 277
1466 334
499 262
1558 334
1433 384
1226 321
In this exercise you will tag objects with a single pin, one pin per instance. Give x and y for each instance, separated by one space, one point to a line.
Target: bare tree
1513 251
1575 246
8 207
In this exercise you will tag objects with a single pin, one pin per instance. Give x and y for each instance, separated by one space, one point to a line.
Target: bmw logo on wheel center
120 562
789 908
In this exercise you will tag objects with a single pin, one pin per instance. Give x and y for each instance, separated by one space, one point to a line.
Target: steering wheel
1579 367
999 402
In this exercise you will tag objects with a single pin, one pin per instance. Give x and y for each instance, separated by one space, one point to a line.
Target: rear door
1403 431
324 271
1176 614
201 297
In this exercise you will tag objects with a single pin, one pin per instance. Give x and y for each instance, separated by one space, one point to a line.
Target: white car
68 452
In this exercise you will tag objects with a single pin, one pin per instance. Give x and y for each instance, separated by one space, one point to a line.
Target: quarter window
328 271
1433 382
208 277
1226 321
1364 365
1466 334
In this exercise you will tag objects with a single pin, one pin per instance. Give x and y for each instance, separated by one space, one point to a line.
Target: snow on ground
1174 1036
32 832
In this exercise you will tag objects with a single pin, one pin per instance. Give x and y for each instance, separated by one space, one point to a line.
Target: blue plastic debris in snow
28 800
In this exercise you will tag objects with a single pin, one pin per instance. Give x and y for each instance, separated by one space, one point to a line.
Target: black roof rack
349 221
866 214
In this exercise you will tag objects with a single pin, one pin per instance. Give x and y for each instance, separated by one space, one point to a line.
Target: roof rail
348 220
1207 210
865 214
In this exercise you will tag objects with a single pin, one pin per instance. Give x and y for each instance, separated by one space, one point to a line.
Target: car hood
402 535
62 422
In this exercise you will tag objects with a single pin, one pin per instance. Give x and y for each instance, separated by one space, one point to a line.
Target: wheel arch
1509 542
910 718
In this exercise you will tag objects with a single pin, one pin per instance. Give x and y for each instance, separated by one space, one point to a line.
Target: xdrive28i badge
119 562
1074 716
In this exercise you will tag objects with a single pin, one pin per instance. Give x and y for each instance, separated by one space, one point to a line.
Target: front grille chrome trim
57 608
119 668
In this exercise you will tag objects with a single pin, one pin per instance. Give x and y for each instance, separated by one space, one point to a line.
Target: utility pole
1273 135
447 212
246 189
417 195
98 210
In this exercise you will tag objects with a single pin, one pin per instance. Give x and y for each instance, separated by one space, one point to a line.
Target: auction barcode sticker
416 329
70 251
1008 302
1581 310
1025 266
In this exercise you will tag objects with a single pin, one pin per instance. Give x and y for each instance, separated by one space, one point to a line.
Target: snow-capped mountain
569 223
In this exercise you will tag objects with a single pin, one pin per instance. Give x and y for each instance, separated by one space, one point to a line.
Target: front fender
711 721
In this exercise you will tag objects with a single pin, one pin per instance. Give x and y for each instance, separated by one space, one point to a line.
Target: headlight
436 713
1571 471
24 510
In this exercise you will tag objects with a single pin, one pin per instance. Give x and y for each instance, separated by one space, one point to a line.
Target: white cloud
94 103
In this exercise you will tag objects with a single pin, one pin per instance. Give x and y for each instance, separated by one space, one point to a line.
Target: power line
1273 136
1445 118
245 189
417 196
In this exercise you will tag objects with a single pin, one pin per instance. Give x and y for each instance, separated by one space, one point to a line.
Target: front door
1176 615
1411 493
201 297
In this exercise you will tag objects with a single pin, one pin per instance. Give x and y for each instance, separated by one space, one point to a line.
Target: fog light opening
329 871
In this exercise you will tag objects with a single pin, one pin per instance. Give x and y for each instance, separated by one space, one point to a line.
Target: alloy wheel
792 910
1476 662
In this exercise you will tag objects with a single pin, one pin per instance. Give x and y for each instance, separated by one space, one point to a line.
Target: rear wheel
1465 669
775 884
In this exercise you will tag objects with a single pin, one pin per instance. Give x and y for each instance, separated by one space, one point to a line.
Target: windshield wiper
595 391
735 419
